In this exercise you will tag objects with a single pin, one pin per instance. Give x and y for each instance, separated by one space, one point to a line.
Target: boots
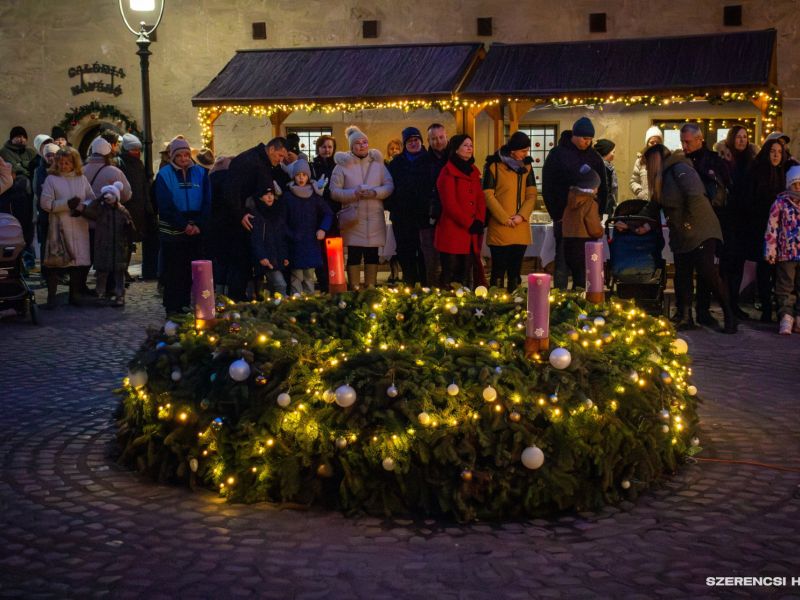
704 317
766 313
76 285
685 321
370 276
52 289
731 325
353 277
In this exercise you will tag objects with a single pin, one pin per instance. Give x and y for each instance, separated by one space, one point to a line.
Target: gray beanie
354 134
131 142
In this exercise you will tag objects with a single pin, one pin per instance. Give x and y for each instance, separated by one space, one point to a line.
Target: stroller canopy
10 231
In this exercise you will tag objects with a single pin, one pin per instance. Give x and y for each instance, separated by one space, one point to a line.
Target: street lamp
143 41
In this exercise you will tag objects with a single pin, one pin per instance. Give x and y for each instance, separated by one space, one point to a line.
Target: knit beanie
604 147
112 190
518 141
205 158
410 132
588 179
176 145
131 142
653 132
792 176
293 143
455 143
100 146
40 139
58 132
300 166
49 148
583 127
354 134
18 130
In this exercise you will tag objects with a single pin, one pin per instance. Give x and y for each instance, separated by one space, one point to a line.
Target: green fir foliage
617 419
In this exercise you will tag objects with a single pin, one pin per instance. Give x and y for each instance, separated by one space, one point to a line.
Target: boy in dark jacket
269 242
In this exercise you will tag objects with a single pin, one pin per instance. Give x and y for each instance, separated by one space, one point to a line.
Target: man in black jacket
560 172
716 179
413 172
249 174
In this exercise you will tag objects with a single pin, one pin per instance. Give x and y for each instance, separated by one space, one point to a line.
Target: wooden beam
495 112
517 110
465 120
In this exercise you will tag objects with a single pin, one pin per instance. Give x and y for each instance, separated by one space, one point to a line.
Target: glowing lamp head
142 5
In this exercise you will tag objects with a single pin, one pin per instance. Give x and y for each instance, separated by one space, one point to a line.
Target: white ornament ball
599 321
664 414
560 358
665 428
691 390
424 419
680 346
193 465
235 316
489 394
452 389
345 396
392 391
625 484
459 292
138 378
176 375
239 370
481 291
341 443
342 304
583 316
284 400
388 463
695 441
170 328
588 403
453 310
532 457
450 341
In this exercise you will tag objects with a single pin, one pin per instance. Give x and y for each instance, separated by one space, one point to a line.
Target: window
485 26
260 30
597 23
308 138
543 139
714 130
369 29
732 15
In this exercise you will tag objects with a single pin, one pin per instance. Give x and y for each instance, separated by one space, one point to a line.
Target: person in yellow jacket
509 186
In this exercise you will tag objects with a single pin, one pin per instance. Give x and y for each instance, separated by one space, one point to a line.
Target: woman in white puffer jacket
639 175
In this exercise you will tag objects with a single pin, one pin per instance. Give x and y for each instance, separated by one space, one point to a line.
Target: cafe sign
107 87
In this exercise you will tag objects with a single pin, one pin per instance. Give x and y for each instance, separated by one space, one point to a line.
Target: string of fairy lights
770 102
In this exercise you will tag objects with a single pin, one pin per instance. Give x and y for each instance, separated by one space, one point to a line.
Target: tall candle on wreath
335 250
203 291
595 287
537 335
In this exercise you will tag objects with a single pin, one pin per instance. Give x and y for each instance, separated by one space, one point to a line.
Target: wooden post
495 112
213 119
465 120
277 118
517 110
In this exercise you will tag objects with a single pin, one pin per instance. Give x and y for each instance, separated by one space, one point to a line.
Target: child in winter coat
581 223
782 248
308 218
269 241
112 240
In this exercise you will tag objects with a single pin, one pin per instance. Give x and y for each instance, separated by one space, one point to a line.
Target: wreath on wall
95 110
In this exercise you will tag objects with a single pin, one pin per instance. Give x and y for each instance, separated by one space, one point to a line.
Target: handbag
56 252
348 216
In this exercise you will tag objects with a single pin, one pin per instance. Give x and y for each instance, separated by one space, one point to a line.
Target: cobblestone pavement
74 525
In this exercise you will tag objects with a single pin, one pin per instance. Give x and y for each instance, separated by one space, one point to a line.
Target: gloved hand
476 227
73 202
322 182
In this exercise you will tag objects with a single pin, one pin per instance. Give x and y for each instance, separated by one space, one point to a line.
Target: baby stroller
638 270
14 291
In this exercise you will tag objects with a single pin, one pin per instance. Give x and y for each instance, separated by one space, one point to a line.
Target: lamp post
143 41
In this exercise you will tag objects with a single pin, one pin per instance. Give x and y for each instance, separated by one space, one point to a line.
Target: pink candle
595 288
203 289
538 325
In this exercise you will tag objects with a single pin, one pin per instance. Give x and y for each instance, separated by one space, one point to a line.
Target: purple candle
538 327
203 289
595 289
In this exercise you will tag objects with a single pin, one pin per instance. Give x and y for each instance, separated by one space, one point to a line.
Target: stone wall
41 39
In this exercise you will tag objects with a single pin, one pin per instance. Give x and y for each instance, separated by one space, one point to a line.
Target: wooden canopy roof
698 62
337 74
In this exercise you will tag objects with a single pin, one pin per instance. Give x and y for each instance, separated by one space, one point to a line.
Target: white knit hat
354 134
131 142
792 176
49 148
100 146
652 132
112 190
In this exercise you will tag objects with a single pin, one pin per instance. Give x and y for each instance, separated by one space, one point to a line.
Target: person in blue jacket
183 194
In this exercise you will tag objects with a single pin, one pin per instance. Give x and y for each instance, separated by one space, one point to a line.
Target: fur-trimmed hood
345 159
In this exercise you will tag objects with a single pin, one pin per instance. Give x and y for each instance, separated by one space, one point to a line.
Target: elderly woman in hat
509 185
183 194
361 182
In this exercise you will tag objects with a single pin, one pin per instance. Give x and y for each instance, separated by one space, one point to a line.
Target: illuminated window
543 139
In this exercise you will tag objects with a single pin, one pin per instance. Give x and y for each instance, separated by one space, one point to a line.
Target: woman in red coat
459 230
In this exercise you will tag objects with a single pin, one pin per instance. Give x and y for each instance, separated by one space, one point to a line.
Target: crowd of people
263 215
